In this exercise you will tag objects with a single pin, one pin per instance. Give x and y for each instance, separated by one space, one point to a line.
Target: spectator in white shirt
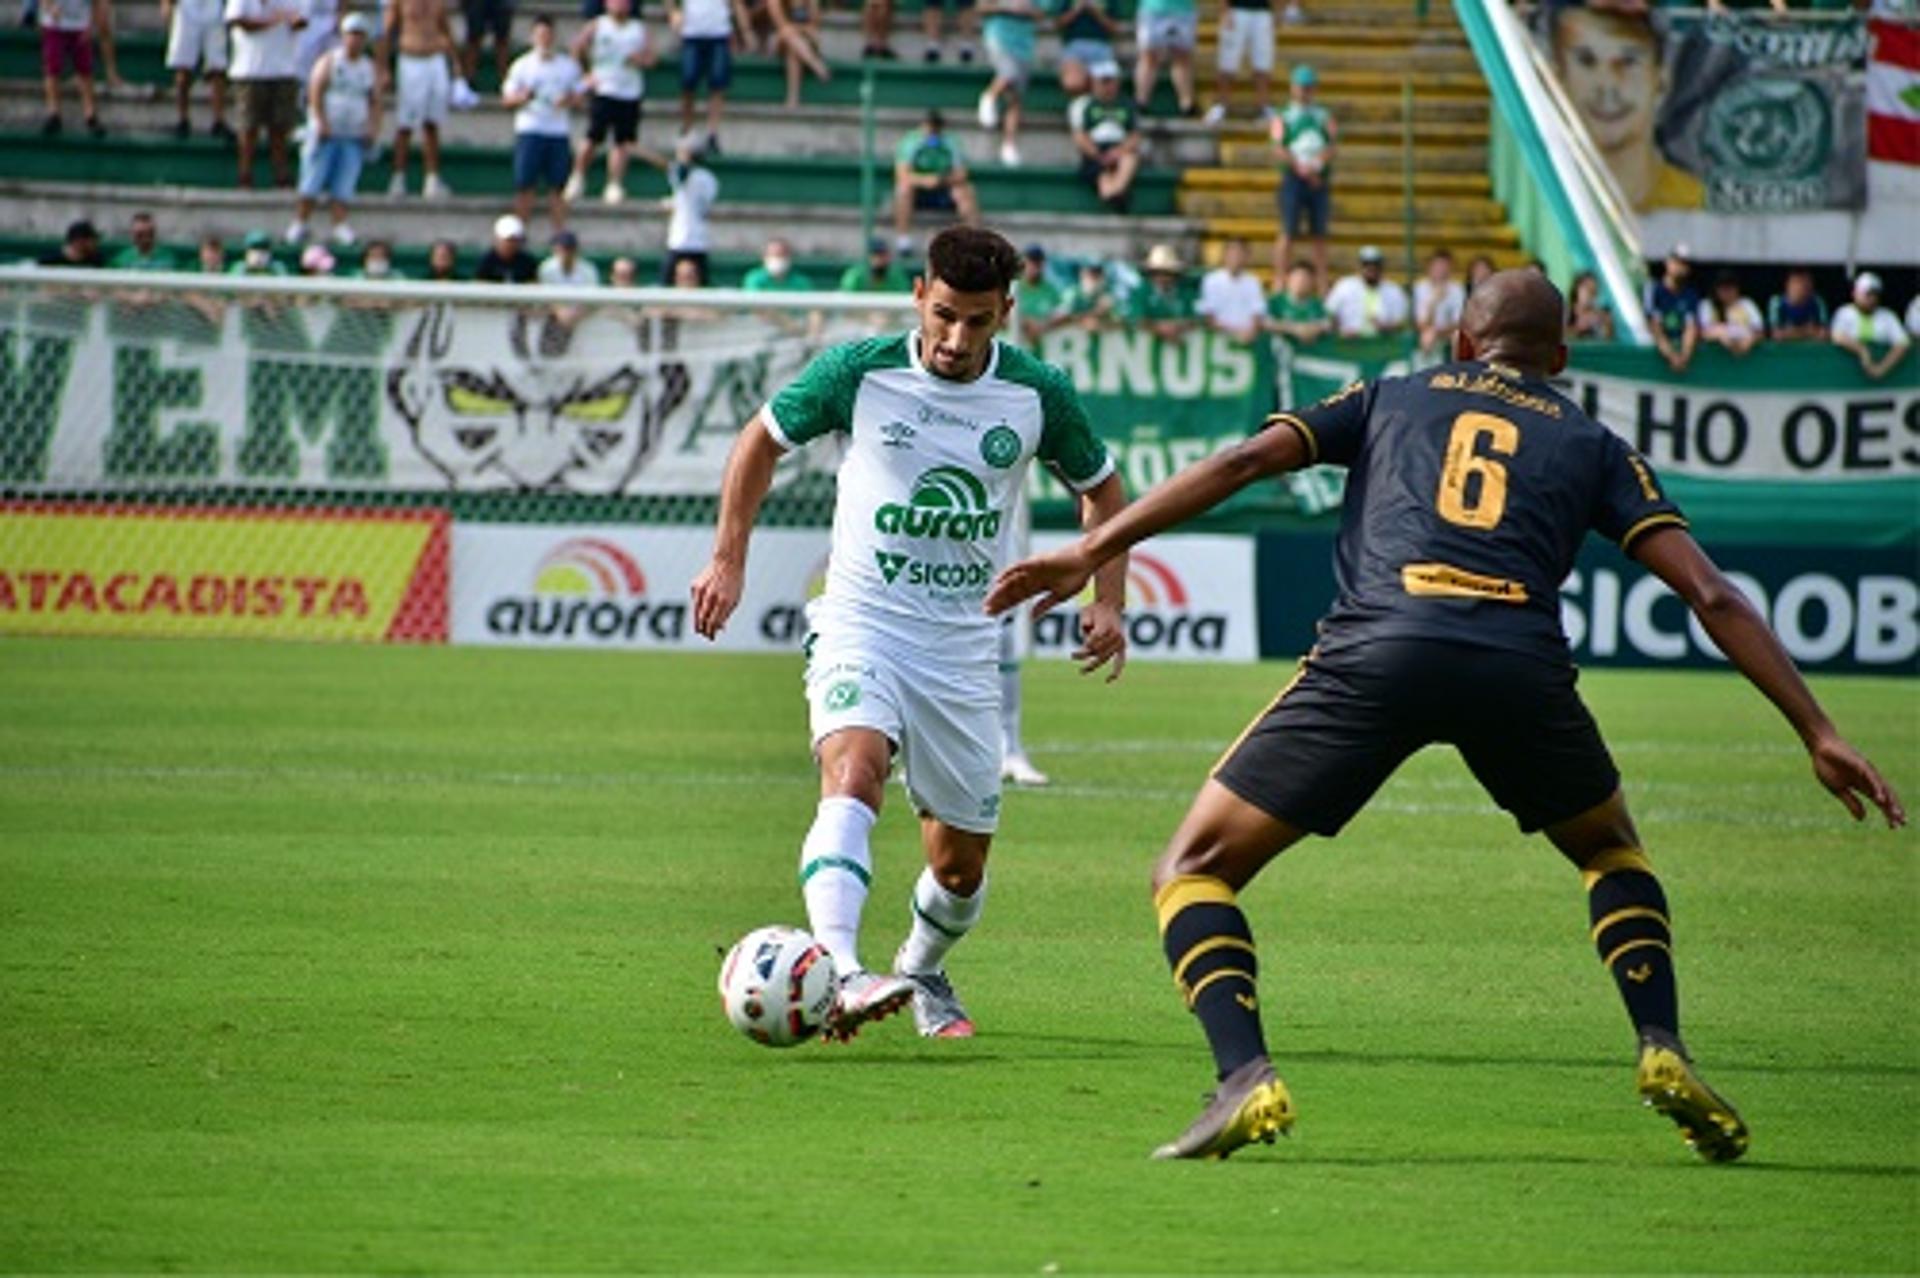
1231 300
1367 304
565 268
1438 299
265 71
695 189
543 86
614 49
1913 316
343 120
1730 320
1863 324
706 29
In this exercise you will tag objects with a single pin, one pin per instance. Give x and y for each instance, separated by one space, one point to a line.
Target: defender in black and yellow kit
1470 488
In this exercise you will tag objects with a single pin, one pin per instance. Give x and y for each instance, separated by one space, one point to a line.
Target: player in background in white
614 50
941 424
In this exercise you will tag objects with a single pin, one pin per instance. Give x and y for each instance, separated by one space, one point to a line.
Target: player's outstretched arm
1672 555
1058 577
749 474
1103 627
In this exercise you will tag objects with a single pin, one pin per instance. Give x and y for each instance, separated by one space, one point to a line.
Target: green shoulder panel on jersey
820 400
1067 443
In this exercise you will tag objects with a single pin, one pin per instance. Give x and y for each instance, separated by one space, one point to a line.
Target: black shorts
488 17
618 116
1337 732
937 199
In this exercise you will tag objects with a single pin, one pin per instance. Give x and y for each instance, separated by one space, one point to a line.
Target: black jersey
1469 489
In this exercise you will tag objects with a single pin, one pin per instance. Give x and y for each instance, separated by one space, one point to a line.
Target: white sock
940 919
1010 690
835 869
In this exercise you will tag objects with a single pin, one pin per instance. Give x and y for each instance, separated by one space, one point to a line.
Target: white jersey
348 101
926 511
608 52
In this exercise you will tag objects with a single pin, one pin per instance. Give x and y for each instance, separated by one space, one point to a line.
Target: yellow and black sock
1210 948
1634 936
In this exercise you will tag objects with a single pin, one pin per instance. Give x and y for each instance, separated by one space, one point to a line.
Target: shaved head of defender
1515 318
1470 489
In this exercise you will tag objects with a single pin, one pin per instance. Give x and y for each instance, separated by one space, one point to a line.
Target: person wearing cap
543 87
565 267
265 70
1088 30
1089 304
196 40
1166 31
1368 304
880 273
1863 324
1105 128
1304 136
1673 310
614 49
507 261
256 257
1797 313
1036 299
343 119
929 173
1231 300
1161 305
80 248
1730 320
145 253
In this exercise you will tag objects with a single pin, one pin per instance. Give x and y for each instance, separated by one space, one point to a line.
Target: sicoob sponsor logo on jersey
947 504
1161 616
588 589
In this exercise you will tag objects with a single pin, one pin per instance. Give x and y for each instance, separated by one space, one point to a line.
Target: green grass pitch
322 958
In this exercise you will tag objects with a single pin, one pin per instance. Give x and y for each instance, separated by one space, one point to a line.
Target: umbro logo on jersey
896 435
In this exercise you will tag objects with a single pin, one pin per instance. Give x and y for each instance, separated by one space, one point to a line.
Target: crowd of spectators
1682 320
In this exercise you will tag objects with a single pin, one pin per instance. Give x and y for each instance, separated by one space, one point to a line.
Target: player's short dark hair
542 20
971 259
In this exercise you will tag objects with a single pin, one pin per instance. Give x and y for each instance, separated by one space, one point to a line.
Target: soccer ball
777 986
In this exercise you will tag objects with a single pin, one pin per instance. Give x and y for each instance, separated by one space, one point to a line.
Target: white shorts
420 91
193 44
1248 33
944 718
1168 33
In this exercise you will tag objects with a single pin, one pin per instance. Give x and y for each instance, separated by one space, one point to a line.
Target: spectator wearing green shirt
1296 312
775 274
1037 300
1303 135
1007 30
879 274
1161 305
145 253
929 174
1088 31
1089 304
213 256
1167 31
376 262
1106 132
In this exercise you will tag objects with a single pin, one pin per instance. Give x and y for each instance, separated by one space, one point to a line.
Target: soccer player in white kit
942 423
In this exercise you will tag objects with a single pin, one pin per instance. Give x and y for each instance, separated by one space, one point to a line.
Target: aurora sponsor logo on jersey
947 504
1188 597
587 589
